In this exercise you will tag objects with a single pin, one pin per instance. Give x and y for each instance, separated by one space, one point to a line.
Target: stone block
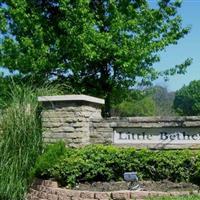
121 195
82 130
102 195
64 198
113 124
102 130
53 184
101 125
139 194
96 120
78 124
81 199
191 123
69 109
42 195
80 119
52 124
33 191
69 119
87 195
34 198
67 129
52 197
73 194
60 191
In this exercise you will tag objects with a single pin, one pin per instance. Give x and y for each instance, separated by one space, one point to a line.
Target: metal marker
133 179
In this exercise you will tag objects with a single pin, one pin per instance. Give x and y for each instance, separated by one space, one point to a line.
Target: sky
188 47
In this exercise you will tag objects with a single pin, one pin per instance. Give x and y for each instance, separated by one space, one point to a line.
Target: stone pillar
67 117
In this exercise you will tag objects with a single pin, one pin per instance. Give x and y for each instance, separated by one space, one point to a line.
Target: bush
106 163
50 157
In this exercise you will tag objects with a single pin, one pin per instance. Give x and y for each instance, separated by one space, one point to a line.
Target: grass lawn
188 197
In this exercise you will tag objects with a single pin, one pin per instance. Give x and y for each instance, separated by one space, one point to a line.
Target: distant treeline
153 101
158 101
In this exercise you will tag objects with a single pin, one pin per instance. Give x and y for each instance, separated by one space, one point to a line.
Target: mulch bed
164 186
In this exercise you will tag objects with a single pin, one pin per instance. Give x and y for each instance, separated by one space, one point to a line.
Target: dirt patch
168 186
164 186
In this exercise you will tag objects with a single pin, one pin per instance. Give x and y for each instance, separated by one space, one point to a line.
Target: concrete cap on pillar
85 98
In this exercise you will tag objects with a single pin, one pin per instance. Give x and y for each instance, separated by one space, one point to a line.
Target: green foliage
195 175
7 83
151 101
106 163
4 87
100 47
20 145
52 154
163 100
187 99
21 141
144 107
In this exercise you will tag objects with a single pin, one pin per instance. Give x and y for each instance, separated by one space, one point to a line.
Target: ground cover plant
108 163
20 141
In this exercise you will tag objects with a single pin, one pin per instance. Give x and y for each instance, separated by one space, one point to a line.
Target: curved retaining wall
49 190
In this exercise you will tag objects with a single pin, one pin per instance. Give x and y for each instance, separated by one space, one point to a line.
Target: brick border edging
49 190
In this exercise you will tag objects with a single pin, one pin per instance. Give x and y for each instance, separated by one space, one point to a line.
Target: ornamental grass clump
21 141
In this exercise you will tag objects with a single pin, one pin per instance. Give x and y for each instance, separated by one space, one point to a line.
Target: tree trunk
107 108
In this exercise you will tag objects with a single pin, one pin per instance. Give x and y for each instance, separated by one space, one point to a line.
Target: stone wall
49 190
101 130
77 120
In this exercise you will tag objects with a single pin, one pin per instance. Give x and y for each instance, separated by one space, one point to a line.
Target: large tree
99 46
187 99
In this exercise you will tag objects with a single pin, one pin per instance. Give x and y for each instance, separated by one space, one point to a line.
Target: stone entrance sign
77 120
154 137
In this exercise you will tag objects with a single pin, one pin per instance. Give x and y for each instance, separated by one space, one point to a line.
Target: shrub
106 163
51 155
